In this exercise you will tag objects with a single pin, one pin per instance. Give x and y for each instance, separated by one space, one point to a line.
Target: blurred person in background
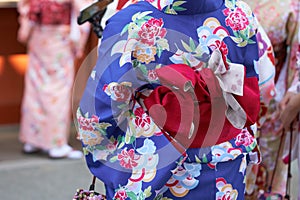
290 109
54 40
279 20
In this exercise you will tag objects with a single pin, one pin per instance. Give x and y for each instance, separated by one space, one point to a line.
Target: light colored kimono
52 49
279 20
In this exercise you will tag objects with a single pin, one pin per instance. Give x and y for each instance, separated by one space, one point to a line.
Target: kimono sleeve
111 124
265 67
108 96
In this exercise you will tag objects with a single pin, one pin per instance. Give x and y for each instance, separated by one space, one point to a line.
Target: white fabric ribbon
231 82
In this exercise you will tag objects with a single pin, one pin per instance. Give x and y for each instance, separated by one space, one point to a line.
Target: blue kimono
169 109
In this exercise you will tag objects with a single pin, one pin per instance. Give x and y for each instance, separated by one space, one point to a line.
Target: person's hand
284 102
289 108
25 31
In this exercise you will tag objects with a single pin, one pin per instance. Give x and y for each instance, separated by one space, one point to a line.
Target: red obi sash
121 3
190 106
50 12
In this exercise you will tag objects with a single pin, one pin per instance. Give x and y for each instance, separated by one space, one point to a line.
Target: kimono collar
186 7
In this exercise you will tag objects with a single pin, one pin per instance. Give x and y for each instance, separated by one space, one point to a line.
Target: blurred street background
29 177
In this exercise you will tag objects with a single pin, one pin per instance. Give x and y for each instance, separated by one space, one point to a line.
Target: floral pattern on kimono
134 49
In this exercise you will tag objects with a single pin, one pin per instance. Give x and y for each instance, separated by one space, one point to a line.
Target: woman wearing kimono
169 110
280 21
290 107
53 44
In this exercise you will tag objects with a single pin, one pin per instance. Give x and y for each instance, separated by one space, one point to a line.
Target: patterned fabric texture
46 105
282 27
144 150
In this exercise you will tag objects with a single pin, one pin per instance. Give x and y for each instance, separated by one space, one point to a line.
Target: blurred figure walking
54 41
279 20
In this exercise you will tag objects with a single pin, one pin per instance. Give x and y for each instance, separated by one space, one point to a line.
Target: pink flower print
122 93
234 87
150 1
111 146
142 120
87 124
128 159
239 82
236 19
118 92
152 75
151 30
244 138
120 194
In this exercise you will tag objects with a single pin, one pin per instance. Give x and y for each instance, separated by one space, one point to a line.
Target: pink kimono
279 19
54 40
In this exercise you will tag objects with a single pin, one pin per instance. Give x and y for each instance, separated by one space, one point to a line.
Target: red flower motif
271 54
141 119
226 196
244 138
118 92
151 30
122 93
120 194
86 124
221 45
152 75
236 19
127 159
111 146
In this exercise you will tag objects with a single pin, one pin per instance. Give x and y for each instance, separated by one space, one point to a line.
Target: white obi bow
231 82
